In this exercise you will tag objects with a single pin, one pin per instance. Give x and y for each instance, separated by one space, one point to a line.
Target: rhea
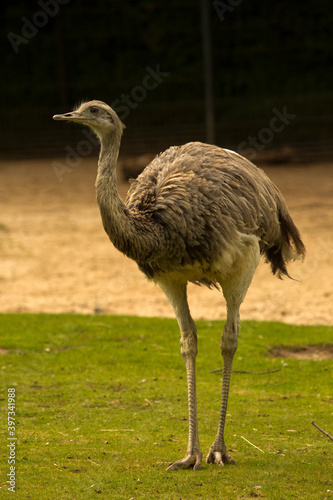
197 213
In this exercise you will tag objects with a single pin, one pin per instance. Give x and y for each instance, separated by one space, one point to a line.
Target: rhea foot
190 460
219 457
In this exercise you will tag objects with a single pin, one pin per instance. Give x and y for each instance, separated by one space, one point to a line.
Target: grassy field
101 410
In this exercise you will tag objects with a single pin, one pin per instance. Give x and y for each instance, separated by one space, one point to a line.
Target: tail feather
289 246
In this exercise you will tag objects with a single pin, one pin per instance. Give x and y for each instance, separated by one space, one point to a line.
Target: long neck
124 228
106 182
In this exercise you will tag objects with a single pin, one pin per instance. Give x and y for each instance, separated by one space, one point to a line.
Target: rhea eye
94 111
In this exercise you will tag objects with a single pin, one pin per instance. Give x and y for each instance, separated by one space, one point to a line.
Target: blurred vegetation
264 54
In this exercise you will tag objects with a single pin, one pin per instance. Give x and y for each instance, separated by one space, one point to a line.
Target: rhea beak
72 116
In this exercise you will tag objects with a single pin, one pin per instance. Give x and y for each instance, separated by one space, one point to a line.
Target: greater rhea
197 213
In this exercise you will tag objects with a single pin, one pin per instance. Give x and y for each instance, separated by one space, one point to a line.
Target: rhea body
197 213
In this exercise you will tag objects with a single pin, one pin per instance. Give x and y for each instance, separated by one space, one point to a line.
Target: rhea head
98 116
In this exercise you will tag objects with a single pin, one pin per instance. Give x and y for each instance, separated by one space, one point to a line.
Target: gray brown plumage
197 213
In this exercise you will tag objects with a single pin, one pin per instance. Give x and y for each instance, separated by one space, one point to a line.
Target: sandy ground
55 256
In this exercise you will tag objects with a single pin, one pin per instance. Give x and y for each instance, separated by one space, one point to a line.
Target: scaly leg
177 296
218 452
234 290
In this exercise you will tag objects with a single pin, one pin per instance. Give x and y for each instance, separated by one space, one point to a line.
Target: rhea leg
234 290
176 294
218 451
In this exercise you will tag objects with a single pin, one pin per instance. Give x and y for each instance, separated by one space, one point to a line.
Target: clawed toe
190 460
219 458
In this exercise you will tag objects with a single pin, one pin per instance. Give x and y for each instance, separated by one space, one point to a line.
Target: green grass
101 410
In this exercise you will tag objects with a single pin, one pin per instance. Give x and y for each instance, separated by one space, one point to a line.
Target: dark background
265 54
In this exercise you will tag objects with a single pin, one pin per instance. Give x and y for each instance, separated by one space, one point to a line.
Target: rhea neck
126 230
113 210
106 174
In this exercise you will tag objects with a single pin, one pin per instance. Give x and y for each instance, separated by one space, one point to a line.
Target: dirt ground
55 256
